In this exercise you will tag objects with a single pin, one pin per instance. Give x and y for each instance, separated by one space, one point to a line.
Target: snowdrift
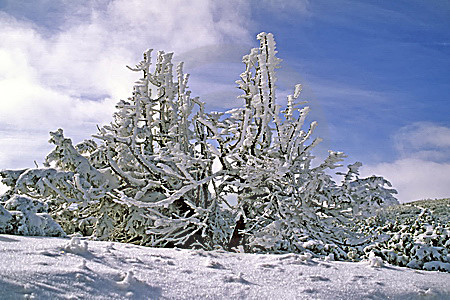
62 268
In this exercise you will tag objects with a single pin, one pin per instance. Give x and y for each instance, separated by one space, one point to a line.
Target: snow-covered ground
58 268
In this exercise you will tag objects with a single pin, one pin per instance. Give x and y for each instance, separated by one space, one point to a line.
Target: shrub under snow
411 235
148 176
26 216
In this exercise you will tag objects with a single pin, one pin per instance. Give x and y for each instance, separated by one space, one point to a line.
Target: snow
375 261
29 218
77 268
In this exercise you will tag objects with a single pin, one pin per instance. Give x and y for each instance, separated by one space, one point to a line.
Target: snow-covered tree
147 181
148 176
157 152
265 151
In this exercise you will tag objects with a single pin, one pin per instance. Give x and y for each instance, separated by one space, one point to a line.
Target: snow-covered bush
410 235
265 152
148 176
5 221
26 216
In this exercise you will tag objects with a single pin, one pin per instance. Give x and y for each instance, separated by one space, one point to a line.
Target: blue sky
377 73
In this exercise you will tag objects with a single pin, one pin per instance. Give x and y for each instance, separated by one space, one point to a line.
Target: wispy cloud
348 94
424 140
71 76
282 8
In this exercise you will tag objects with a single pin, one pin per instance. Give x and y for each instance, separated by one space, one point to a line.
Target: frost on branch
148 177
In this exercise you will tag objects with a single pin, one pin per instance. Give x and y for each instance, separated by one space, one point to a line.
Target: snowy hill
440 209
62 268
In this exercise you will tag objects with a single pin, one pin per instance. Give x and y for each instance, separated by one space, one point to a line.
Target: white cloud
423 169
424 140
19 148
414 179
71 76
